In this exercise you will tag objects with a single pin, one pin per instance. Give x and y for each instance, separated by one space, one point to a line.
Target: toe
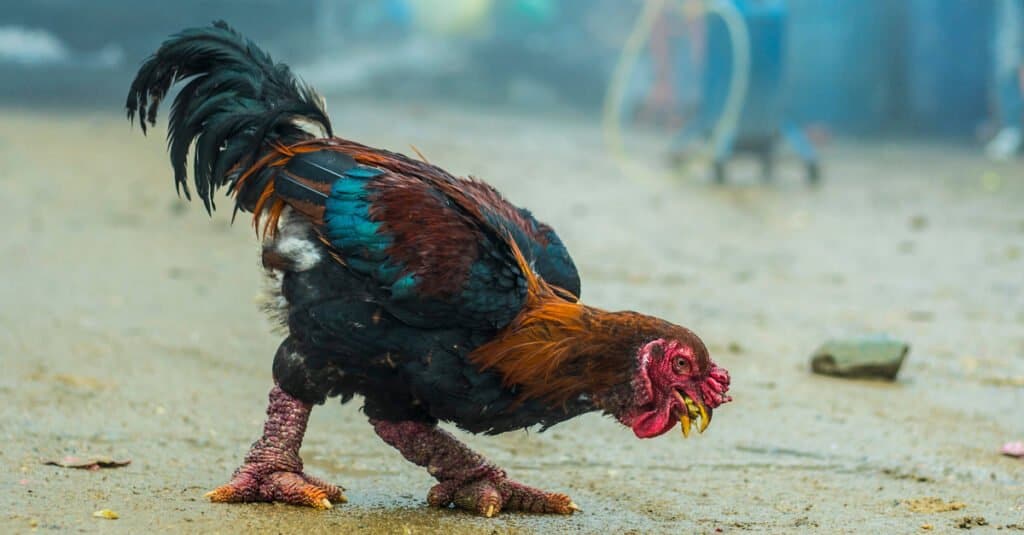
244 487
224 494
296 489
442 494
560 504
530 500
333 493
481 497
314 497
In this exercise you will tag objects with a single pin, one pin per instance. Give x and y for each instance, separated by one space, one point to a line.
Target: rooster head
674 379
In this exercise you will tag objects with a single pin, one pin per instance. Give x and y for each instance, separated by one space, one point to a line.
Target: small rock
857 358
969 522
106 513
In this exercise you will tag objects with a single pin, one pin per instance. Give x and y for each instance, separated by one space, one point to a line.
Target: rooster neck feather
557 349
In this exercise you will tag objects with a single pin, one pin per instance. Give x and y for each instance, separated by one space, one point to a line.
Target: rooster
429 295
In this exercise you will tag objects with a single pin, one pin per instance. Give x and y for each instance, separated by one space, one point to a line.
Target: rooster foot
488 497
262 482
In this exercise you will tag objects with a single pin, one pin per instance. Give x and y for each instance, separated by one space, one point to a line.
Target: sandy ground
128 328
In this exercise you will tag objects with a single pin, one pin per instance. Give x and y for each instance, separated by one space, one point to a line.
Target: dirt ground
128 328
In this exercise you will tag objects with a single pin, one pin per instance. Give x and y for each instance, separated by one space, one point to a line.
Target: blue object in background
949 65
840 59
761 123
1007 59
762 109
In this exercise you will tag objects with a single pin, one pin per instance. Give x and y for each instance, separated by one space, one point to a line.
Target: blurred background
780 176
927 69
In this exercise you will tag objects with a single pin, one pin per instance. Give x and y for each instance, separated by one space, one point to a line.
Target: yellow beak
705 417
692 410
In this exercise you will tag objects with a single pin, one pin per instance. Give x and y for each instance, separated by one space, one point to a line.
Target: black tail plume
238 103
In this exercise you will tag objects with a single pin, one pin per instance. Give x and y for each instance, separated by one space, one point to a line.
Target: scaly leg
272 471
465 477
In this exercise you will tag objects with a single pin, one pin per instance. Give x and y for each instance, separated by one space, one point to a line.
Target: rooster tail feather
237 105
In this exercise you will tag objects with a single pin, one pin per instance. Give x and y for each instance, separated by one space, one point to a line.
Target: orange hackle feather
277 156
557 349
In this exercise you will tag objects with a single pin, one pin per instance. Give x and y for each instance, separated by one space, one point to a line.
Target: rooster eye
680 365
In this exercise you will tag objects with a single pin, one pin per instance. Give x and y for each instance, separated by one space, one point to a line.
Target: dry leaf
89 463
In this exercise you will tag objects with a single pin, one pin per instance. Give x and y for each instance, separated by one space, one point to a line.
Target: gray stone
874 357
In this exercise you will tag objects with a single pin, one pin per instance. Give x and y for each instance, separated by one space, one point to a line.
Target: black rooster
428 294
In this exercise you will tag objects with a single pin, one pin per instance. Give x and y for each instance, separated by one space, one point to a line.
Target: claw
324 504
490 511
573 507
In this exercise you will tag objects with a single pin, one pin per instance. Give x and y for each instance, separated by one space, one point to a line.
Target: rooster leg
272 471
465 477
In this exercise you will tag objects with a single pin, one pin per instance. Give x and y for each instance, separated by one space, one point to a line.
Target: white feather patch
303 253
292 241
